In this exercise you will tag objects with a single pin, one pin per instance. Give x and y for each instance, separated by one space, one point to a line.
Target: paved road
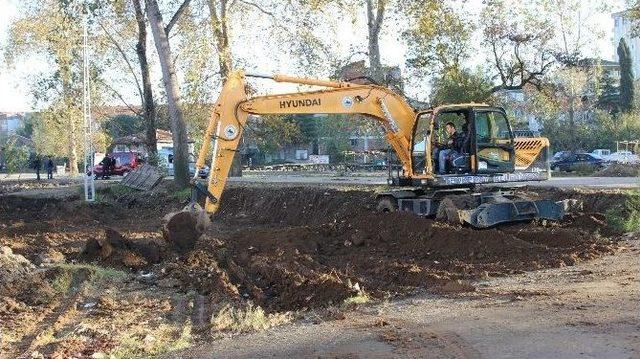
381 179
374 179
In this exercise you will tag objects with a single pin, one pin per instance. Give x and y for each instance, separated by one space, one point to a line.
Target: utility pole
89 184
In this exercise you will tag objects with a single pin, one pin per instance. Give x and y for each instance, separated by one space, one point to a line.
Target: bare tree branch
176 16
137 112
260 8
125 58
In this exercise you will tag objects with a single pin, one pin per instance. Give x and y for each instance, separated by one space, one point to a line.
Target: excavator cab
493 141
483 145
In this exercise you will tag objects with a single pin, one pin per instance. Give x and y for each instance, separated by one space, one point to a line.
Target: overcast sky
14 81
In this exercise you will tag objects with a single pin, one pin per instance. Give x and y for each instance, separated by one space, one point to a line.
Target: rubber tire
387 204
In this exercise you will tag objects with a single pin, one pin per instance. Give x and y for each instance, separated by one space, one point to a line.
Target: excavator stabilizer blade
491 214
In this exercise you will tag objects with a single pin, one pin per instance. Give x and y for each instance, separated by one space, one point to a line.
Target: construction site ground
310 271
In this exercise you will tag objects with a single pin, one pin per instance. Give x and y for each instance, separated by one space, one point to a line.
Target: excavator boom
233 107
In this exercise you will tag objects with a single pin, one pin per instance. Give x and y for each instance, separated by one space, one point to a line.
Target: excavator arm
233 107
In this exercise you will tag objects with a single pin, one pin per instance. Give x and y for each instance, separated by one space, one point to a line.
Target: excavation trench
299 247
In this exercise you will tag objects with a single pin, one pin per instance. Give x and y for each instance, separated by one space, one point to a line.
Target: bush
627 218
17 157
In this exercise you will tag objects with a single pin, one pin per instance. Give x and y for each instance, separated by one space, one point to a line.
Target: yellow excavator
492 153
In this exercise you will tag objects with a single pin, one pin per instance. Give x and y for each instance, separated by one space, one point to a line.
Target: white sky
14 82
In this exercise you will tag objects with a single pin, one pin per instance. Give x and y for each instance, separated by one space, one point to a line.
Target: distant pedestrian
37 164
49 166
106 166
112 165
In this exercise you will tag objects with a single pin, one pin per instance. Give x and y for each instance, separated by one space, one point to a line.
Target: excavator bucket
183 228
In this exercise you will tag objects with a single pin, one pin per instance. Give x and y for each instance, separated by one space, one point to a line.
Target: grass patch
181 195
626 218
119 190
96 273
164 339
248 319
62 283
361 298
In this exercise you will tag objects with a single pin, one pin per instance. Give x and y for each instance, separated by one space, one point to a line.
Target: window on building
354 142
302 154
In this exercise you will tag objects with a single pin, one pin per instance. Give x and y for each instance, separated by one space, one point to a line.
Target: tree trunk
572 126
149 105
169 78
374 24
72 127
73 147
221 34
220 29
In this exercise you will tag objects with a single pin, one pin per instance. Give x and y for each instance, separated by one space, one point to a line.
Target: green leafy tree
16 156
53 29
272 133
460 86
123 125
626 77
438 39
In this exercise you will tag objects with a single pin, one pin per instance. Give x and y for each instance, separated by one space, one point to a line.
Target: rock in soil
458 286
13 266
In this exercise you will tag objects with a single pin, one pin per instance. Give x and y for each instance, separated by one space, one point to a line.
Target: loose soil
284 249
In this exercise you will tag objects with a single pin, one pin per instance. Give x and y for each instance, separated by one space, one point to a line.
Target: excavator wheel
450 207
182 229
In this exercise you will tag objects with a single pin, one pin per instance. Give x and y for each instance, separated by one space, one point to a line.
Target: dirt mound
292 206
200 270
20 281
399 251
115 249
13 266
619 170
332 240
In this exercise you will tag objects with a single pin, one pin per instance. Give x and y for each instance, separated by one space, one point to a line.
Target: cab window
492 128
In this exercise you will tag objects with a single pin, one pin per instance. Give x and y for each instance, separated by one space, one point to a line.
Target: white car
601 153
624 157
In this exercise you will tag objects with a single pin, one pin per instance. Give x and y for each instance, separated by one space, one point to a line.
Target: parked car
624 157
202 173
601 153
560 155
125 163
573 162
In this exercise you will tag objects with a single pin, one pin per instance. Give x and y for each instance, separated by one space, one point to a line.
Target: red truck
125 162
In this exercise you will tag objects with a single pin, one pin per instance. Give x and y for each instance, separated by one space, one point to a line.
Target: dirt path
585 311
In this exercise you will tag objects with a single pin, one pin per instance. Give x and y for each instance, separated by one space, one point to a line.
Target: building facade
623 28
10 122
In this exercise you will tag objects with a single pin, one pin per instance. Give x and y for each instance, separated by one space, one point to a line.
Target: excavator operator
451 147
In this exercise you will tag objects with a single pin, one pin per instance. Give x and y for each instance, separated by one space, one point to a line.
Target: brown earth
281 248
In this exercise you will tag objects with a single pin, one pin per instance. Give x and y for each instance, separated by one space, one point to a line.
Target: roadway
367 179
374 179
